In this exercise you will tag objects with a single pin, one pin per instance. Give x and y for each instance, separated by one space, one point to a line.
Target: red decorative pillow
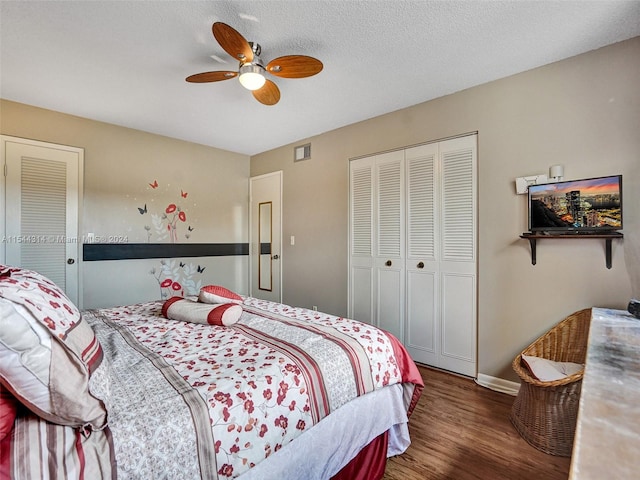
225 314
8 410
47 350
218 294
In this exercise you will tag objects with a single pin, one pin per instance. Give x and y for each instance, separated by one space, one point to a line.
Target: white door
458 260
376 241
441 257
389 243
423 268
361 231
412 249
266 236
41 209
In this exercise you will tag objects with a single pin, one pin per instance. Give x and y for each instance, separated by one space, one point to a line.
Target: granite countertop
607 441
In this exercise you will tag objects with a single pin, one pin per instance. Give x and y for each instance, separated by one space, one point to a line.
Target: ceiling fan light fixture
252 70
251 76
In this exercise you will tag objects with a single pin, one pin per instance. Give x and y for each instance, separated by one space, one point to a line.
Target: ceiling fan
252 70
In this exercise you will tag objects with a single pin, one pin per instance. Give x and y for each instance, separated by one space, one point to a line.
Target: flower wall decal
172 214
177 278
166 224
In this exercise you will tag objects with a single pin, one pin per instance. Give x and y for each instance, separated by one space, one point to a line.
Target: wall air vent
302 152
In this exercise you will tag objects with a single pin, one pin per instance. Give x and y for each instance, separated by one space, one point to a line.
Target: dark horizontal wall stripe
129 251
265 249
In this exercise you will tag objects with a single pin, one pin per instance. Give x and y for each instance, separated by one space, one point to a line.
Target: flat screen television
590 205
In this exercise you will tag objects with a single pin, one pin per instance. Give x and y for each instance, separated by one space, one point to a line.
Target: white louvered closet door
361 240
413 249
458 160
41 210
376 241
423 267
441 254
389 245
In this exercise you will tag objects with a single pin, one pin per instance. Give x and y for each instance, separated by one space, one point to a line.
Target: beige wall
119 164
582 112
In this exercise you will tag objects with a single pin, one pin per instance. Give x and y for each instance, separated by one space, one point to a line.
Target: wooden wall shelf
608 237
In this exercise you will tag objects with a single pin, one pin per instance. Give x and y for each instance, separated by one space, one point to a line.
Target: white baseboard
498 384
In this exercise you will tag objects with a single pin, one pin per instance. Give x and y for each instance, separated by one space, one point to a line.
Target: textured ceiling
124 62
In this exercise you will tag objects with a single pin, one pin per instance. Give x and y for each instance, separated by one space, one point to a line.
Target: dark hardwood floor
461 431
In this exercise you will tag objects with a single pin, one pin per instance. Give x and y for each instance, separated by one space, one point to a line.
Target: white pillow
548 370
47 350
225 314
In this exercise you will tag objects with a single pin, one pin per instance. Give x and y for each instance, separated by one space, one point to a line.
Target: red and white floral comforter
187 400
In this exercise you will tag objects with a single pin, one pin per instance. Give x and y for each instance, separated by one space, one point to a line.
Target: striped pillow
223 315
218 294
47 350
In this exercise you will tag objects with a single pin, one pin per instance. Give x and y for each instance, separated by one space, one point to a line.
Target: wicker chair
545 413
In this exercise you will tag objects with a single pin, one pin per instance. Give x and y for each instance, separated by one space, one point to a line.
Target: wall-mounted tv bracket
608 237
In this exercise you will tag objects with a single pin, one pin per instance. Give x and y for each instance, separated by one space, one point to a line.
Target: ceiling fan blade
211 76
294 66
268 94
232 42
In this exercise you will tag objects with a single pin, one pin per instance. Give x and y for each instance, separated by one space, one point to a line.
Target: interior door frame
4 139
252 222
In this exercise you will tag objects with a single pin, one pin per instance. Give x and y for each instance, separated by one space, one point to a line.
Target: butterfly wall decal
201 269
154 184
182 264
190 228
143 210
184 194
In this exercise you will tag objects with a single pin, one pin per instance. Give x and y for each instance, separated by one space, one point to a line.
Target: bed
249 388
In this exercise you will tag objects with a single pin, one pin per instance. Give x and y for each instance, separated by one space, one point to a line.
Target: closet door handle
388 263
420 265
